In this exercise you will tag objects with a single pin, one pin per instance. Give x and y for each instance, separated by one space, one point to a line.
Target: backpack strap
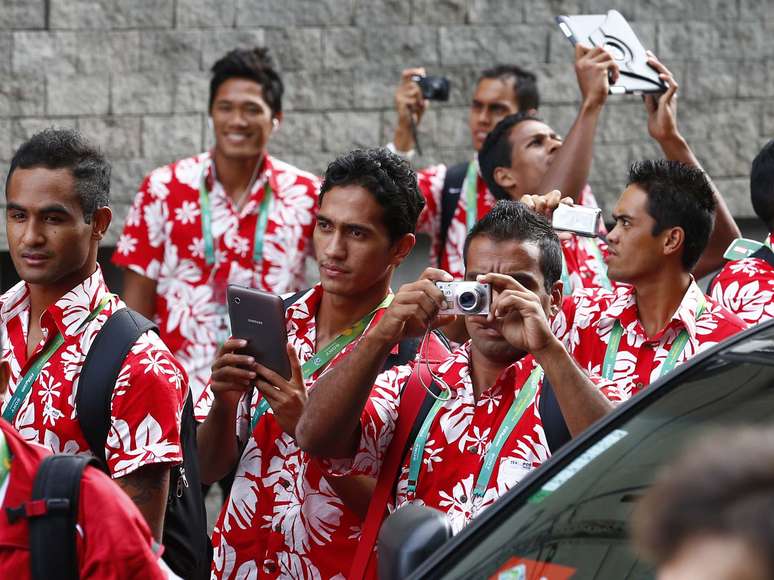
450 197
765 254
554 425
99 374
53 515
414 400
293 298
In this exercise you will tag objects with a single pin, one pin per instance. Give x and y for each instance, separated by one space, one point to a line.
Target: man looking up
232 215
283 518
491 384
57 194
638 333
746 286
457 196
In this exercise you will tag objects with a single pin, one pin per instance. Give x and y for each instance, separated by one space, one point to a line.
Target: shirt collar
70 312
266 172
624 308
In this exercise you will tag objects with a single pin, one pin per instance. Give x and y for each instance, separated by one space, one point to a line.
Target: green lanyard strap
471 194
513 416
324 356
566 282
5 459
608 366
29 378
260 227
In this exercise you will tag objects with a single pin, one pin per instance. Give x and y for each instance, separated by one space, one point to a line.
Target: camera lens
468 300
237 300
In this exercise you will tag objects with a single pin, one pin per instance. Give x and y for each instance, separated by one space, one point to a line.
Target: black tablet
259 318
612 32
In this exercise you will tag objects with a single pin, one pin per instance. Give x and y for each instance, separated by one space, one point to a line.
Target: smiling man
232 215
485 432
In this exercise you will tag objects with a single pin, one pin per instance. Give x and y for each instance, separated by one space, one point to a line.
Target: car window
576 524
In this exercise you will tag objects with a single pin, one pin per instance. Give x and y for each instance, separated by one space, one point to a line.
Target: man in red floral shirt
56 213
485 432
232 215
283 518
500 91
746 286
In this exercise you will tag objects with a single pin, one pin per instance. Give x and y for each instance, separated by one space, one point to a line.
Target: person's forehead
633 201
504 256
239 89
40 186
490 90
527 130
352 204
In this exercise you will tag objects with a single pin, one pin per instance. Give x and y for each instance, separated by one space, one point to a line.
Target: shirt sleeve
114 541
377 425
146 409
141 244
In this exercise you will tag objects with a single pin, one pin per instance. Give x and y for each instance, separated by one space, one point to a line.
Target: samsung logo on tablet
254 321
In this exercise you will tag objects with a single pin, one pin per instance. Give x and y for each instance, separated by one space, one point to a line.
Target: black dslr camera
433 88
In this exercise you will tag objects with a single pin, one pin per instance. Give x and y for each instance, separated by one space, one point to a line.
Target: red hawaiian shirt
746 288
458 439
147 398
430 181
588 316
282 518
163 240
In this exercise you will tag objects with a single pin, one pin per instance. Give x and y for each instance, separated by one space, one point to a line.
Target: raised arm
408 102
569 170
330 423
662 126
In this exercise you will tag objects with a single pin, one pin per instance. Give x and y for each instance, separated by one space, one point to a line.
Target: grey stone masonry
133 76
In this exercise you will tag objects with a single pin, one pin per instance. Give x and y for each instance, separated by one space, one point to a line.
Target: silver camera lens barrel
469 300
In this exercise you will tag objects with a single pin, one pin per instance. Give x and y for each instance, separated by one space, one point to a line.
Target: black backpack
187 547
450 197
52 514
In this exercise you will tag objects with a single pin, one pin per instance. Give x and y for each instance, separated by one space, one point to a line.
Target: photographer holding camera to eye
485 431
456 196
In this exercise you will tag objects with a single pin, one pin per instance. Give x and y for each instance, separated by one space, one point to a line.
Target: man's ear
401 248
556 297
673 240
100 222
505 178
5 376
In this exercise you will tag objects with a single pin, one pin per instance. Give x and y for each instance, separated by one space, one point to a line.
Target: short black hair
496 150
67 149
762 185
678 196
512 220
254 64
722 484
524 84
388 177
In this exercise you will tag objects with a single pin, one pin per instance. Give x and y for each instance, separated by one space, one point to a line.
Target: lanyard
598 263
608 366
260 227
471 194
324 356
5 459
566 282
25 385
512 418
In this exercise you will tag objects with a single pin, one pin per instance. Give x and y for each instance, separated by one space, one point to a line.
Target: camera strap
678 346
206 217
520 403
327 353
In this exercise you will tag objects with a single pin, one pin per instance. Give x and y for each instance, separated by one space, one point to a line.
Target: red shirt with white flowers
458 439
147 398
588 316
578 256
282 518
163 240
746 288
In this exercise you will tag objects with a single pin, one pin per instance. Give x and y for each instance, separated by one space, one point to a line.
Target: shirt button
639 386
277 527
284 483
269 567
463 498
473 448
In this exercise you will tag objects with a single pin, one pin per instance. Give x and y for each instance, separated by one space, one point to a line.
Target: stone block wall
133 76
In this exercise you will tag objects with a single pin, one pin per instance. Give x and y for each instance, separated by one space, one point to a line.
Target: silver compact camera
584 221
467 298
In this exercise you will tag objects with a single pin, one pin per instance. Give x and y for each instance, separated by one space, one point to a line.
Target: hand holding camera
524 322
409 100
596 70
415 308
